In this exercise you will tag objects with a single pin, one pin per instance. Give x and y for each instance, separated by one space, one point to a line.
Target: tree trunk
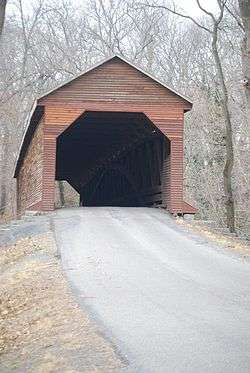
61 193
4 171
245 15
227 172
2 14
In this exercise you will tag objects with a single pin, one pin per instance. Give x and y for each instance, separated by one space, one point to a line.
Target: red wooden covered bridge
114 133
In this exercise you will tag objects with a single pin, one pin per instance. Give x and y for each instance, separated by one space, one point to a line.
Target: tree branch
174 11
235 18
205 11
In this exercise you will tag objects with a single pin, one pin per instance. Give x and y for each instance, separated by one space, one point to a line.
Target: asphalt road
167 300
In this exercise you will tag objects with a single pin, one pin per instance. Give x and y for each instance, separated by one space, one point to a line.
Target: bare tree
57 39
244 6
3 4
213 28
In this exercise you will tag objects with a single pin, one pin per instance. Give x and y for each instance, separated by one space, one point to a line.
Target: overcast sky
190 6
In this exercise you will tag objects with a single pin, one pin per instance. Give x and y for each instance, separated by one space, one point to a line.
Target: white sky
189 6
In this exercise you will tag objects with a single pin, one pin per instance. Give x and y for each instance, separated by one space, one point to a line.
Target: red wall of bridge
113 86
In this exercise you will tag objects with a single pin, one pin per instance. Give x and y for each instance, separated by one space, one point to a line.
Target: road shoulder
42 328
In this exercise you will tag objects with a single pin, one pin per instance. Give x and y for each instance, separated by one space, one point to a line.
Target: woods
205 57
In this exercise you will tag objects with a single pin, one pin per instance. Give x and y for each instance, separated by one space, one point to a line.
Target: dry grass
235 244
42 329
6 218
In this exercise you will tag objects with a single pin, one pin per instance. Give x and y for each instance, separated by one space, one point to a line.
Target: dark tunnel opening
113 159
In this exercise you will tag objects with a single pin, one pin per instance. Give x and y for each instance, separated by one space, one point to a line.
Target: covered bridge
114 133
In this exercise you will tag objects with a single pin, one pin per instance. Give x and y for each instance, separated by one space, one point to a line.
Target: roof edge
124 60
34 117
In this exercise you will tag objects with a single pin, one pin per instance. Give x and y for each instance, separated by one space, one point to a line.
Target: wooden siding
115 81
176 175
59 117
55 122
29 181
166 200
114 86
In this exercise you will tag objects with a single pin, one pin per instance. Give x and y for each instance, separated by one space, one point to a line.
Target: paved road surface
167 300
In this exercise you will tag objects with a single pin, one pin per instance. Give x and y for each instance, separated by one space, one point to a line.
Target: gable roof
107 60
37 109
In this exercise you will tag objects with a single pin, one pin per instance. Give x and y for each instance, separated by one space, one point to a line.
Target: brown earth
42 329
